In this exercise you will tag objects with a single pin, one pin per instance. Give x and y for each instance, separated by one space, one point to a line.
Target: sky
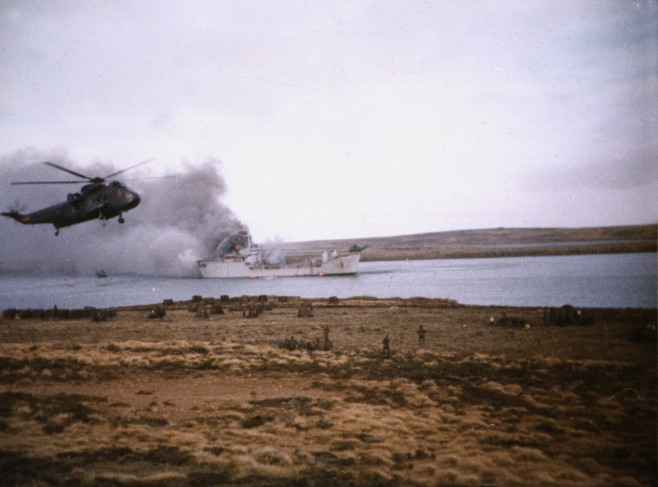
341 119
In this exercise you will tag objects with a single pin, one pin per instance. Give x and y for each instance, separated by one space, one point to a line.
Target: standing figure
386 350
327 343
421 336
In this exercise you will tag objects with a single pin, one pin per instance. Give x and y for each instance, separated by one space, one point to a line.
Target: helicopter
96 200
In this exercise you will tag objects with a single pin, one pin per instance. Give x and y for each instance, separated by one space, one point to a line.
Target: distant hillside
497 242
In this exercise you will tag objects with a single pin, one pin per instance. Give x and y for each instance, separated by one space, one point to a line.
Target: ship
250 261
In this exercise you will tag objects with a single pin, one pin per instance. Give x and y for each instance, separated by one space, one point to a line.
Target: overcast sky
336 119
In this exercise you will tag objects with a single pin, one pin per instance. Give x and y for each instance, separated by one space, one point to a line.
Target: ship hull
226 268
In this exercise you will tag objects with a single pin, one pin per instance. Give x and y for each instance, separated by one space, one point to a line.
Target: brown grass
187 401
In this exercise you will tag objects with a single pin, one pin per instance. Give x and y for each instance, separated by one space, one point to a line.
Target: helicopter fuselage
94 201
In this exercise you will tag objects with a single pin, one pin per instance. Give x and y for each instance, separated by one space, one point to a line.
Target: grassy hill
497 242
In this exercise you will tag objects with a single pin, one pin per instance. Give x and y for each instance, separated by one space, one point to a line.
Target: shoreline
497 242
79 291
468 252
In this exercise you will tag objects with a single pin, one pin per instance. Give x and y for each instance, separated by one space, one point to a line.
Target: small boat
250 262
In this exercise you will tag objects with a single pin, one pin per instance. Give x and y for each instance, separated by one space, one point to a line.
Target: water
607 281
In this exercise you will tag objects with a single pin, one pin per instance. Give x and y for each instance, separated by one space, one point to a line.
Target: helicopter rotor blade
46 182
128 168
151 178
93 180
57 166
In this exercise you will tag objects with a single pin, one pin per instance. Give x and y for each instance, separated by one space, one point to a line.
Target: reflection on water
609 280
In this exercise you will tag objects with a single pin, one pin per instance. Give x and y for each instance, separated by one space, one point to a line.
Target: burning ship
244 259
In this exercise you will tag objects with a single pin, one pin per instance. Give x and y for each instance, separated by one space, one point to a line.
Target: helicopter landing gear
121 219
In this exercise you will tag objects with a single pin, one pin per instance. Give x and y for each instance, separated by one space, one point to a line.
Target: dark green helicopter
96 200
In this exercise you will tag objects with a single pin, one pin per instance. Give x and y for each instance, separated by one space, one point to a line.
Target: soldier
327 343
157 313
250 311
99 315
305 310
386 350
421 336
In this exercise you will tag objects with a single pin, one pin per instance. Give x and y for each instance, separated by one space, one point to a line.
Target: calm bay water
607 281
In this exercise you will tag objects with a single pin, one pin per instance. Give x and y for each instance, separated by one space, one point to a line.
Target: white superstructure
249 262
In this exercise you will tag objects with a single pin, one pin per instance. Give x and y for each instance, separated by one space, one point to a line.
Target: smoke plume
180 219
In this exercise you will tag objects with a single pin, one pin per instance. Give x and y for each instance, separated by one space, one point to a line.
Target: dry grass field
228 400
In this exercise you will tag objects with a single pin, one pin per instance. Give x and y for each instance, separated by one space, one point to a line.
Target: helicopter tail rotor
15 215
15 211
17 207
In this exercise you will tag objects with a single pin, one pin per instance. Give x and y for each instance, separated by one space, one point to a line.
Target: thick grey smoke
180 219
